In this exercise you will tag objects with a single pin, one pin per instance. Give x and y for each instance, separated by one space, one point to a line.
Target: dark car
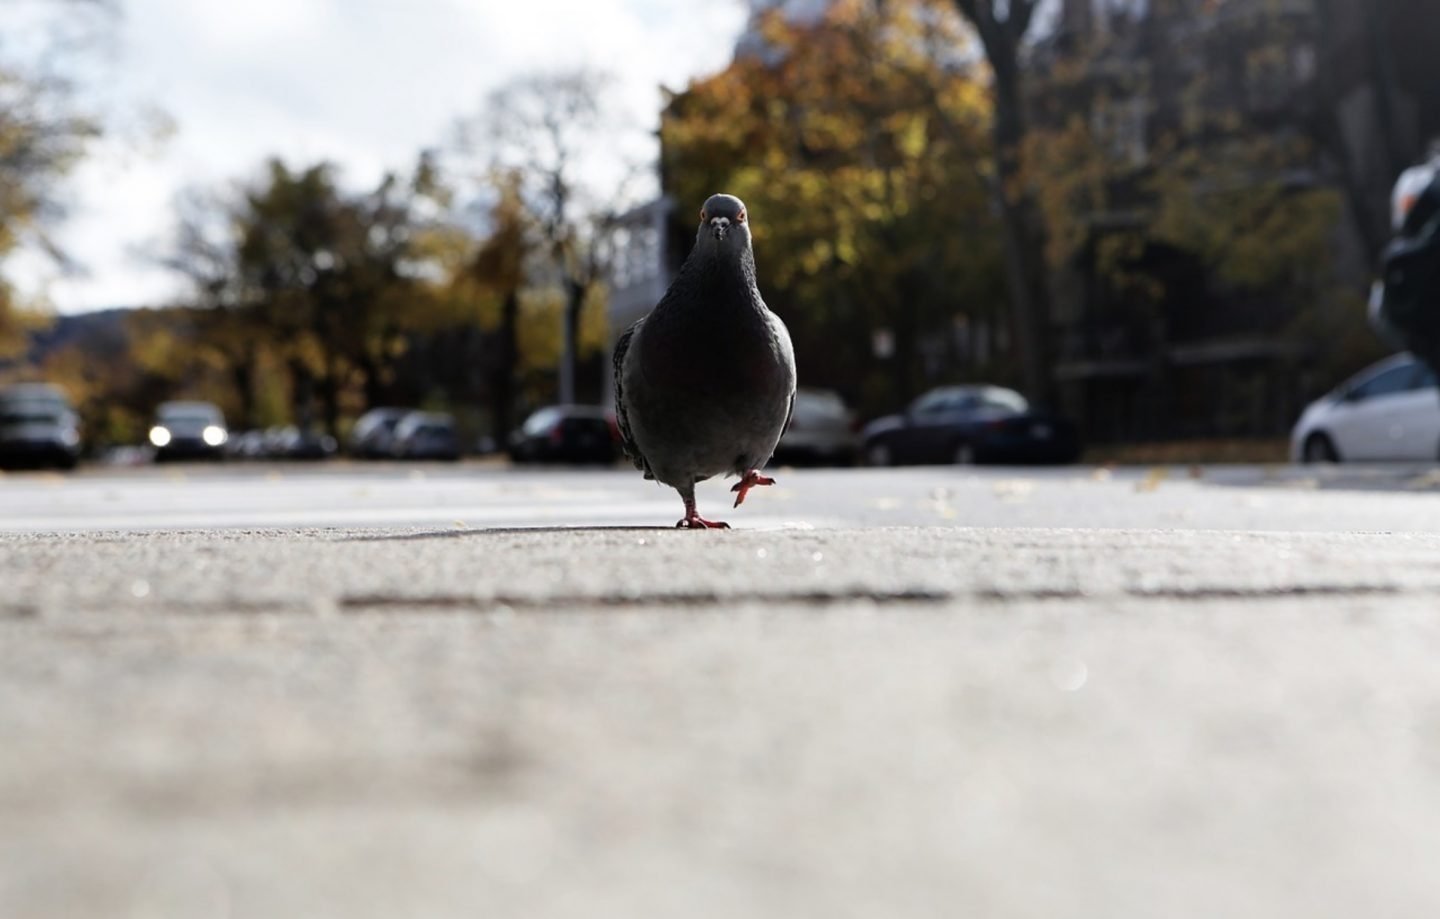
566 434
293 443
38 427
426 436
970 424
373 436
188 430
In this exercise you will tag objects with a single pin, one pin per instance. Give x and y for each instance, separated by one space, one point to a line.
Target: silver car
1389 412
38 427
822 430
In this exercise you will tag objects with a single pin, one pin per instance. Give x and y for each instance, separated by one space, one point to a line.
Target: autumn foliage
859 143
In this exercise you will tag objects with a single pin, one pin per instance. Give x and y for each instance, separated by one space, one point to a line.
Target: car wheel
878 454
964 454
1319 449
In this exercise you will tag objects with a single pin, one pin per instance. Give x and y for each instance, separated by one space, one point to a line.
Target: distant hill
102 331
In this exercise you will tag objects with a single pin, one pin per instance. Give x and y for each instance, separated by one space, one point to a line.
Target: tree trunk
503 388
574 303
1025 266
374 386
330 399
1024 236
242 375
1372 224
303 394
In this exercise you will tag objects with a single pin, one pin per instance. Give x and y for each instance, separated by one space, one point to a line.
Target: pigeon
705 383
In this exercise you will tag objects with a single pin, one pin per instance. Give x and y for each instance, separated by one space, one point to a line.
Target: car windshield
36 414
819 405
1006 399
541 421
940 400
1397 379
188 420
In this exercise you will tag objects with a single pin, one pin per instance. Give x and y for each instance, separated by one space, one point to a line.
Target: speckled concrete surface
634 722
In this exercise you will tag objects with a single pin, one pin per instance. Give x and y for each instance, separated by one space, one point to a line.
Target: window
933 402
541 421
1006 399
1387 383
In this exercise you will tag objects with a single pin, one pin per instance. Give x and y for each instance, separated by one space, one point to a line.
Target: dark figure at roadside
1405 307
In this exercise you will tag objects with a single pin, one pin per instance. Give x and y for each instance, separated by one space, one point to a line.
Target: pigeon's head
724 225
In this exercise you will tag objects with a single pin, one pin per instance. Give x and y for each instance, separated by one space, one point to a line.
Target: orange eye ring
703 216
741 218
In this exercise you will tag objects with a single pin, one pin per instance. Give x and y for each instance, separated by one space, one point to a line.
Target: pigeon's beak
720 226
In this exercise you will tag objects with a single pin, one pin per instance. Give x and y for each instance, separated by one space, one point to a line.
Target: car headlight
159 435
214 435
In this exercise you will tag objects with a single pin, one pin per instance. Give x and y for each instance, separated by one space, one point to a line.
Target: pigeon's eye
703 216
741 218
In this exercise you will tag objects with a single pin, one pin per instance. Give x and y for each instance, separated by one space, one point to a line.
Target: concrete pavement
787 720
1345 498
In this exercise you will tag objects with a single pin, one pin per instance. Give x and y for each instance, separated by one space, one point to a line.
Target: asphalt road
382 691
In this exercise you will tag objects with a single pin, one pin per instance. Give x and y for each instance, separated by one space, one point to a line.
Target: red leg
748 481
693 521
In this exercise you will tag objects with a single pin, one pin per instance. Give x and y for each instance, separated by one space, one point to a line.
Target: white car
1387 412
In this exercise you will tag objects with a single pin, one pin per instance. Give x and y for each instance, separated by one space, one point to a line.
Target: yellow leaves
913 137
540 331
15 325
1228 206
1220 200
307 350
157 351
594 321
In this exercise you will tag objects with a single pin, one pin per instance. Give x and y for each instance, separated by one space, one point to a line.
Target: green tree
42 137
327 281
494 277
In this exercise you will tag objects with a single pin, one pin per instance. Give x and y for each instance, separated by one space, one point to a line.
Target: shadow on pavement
473 532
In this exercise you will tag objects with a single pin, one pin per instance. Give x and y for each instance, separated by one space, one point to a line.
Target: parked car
38 427
292 443
566 434
373 436
1388 412
249 445
970 424
821 430
188 430
426 436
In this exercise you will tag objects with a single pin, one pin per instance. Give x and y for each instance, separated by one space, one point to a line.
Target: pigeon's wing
782 335
622 419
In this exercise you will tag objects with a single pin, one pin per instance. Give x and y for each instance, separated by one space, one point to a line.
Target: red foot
748 481
693 521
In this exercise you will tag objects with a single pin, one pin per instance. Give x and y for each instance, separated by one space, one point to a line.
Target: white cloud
364 83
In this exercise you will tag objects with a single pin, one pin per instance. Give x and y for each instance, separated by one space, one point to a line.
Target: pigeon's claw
747 482
693 521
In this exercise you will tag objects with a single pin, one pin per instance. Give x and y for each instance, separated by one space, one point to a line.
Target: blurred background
300 228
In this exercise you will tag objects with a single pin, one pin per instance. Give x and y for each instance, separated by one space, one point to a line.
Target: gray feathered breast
705 383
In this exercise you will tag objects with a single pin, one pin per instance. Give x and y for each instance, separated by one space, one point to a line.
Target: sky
365 84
